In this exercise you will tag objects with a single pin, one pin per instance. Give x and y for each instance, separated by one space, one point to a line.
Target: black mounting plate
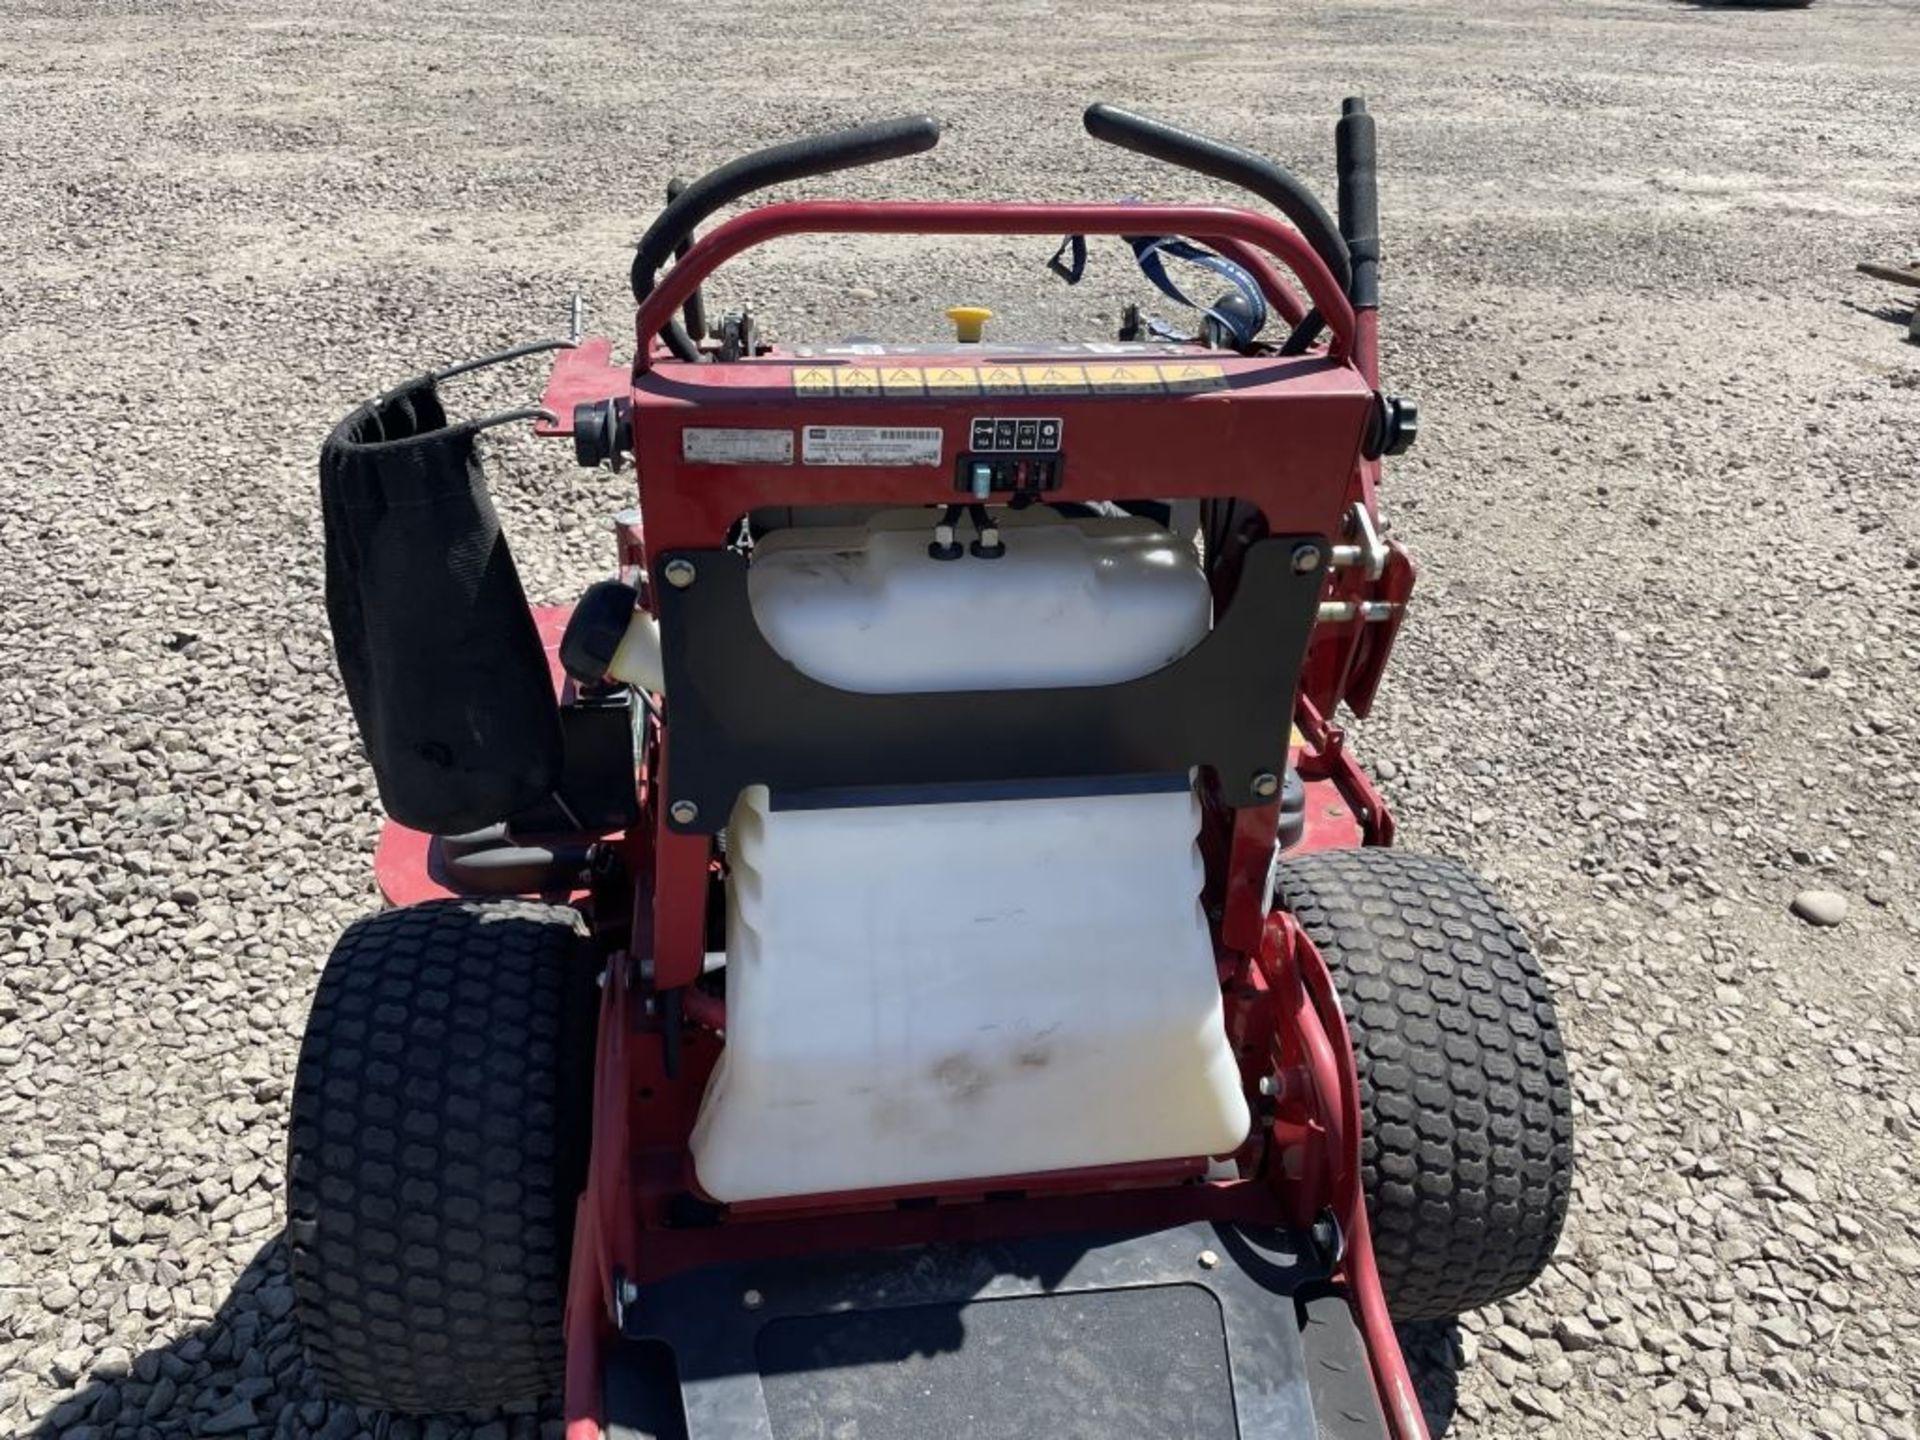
742 715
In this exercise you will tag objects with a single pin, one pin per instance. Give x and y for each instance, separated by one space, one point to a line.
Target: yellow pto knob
968 321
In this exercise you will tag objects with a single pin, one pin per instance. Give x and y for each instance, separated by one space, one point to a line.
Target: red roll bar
1218 224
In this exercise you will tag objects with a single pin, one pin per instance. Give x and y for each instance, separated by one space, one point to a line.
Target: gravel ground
1661 679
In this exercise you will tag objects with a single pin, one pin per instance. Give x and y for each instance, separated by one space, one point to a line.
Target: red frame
1285 434
1241 231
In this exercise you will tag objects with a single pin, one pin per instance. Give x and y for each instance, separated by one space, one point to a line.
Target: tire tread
1467 1117
430 1176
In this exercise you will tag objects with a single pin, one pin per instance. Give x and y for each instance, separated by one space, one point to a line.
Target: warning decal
1054 379
706 445
1123 377
952 380
871 445
1104 377
1184 379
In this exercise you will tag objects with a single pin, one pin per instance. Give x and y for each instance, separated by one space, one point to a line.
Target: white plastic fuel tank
1089 601
930 992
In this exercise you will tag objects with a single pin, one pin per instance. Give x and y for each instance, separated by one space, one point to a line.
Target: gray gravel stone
1820 907
113 1363
1801 1183
160 1399
234 1420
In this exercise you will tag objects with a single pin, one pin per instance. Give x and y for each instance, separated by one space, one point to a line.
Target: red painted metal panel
1282 434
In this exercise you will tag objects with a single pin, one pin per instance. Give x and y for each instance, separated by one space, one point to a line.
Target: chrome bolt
1269 1085
753 1299
1266 784
680 573
629 1292
1306 559
1208 1259
684 812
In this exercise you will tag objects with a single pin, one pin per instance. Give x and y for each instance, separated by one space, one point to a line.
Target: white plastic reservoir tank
922 993
1072 602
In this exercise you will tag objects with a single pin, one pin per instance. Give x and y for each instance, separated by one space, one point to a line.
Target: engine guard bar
1242 230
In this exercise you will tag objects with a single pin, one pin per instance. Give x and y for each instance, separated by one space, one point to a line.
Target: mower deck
1201 1331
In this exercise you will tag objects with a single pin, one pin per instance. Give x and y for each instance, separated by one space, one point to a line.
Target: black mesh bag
442 663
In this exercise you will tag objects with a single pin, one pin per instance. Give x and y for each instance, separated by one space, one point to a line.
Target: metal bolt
1208 1259
680 573
1266 784
629 1292
753 1299
1306 559
1269 1085
684 812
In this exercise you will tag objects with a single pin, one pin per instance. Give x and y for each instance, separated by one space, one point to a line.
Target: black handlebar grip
1355 154
1273 183
777 165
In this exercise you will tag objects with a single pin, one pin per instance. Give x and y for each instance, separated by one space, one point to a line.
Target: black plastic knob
602 432
1394 428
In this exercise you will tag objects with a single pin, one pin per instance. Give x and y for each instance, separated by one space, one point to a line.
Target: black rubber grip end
1356 157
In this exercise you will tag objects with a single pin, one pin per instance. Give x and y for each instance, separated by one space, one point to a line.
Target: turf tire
438 1143
1467 1120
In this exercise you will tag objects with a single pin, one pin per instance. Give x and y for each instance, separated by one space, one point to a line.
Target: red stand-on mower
911 954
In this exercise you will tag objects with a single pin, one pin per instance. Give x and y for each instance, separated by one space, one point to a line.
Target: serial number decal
711 445
871 445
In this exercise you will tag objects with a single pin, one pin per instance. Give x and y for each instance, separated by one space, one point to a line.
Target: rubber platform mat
1148 1364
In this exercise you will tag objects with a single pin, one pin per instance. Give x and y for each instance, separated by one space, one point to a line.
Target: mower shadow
1892 314
243 1373
1432 1350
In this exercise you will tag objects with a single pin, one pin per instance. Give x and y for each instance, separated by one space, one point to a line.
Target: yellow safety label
1124 377
908 381
953 380
1187 378
856 380
1054 379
